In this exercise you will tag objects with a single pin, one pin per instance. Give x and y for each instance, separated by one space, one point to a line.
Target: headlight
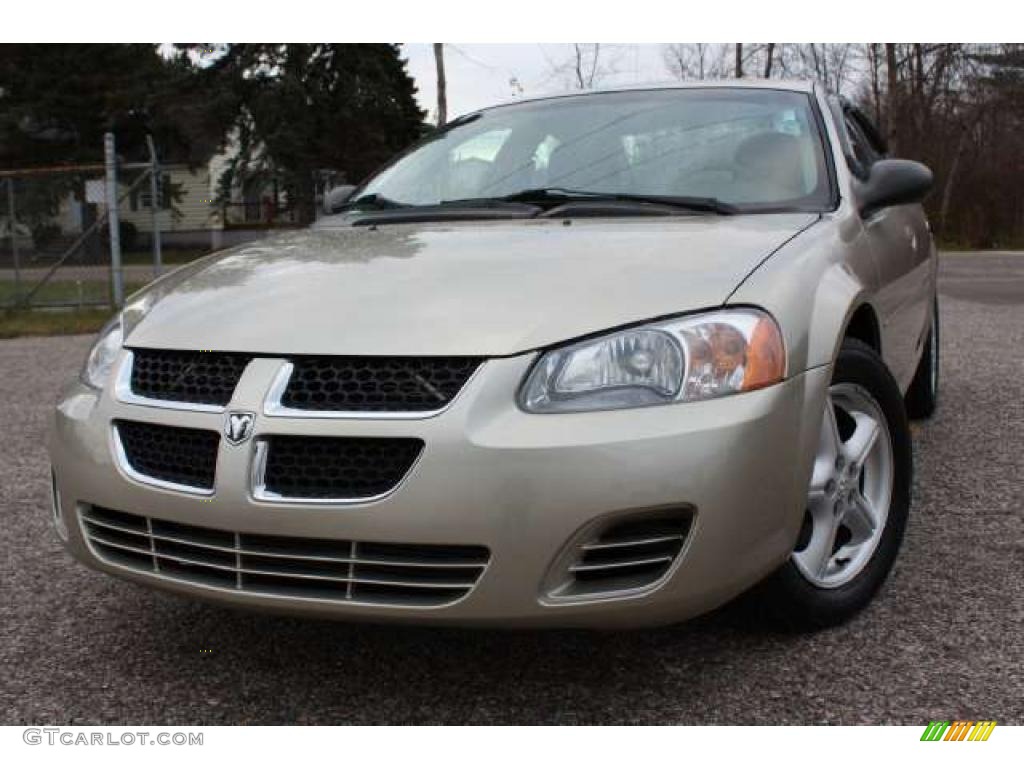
681 360
100 361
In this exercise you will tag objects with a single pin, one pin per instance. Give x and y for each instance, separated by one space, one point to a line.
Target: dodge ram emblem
239 426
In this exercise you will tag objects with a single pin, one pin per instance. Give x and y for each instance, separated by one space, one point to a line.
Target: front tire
858 500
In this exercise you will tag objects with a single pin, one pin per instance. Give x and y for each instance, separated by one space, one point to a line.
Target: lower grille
333 468
628 555
414 575
176 455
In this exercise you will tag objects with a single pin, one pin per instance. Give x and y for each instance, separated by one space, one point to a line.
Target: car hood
473 288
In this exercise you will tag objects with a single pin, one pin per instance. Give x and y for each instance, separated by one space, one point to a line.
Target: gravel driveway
944 640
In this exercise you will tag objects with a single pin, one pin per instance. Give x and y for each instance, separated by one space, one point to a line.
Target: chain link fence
90 234
56 238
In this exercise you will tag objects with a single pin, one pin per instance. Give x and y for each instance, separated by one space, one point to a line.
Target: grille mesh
415 575
336 467
172 454
376 384
208 378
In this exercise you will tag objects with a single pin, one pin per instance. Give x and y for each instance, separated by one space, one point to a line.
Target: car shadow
244 667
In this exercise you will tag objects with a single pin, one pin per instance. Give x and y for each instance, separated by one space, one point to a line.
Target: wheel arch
842 309
820 288
863 325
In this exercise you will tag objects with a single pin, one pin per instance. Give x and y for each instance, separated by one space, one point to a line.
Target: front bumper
522 485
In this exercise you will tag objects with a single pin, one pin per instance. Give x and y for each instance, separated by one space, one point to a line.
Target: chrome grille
375 384
176 456
414 575
626 555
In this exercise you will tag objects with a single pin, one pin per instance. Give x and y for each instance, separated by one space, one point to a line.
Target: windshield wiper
560 196
487 202
545 201
373 201
385 211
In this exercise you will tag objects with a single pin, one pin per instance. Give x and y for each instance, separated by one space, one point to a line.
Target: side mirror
337 197
893 182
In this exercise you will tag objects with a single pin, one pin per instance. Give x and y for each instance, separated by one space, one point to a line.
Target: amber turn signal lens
766 360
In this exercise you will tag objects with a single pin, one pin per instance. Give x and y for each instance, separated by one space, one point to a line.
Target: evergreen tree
299 109
56 102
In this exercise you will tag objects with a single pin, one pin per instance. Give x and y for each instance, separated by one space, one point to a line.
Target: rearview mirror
337 197
893 182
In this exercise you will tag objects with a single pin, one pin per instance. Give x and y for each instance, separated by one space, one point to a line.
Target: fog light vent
623 556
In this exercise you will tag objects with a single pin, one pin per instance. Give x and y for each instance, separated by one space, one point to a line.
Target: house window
163 193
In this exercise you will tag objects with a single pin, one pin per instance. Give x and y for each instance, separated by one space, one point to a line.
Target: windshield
752 148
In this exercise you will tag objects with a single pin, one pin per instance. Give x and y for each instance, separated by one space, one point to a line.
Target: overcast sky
481 74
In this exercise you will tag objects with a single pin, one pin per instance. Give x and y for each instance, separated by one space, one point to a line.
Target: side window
863 154
144 198
871 134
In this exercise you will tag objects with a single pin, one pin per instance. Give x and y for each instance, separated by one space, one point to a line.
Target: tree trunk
892 97
876 90
442 86
768 60
739 60
580 81
917 104
947 190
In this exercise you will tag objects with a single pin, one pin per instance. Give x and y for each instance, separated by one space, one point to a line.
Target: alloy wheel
850 490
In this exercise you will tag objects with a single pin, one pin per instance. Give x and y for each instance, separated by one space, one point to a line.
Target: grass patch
954 246
173 256
64 291
48 322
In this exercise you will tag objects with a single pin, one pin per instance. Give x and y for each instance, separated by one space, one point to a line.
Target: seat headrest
773 158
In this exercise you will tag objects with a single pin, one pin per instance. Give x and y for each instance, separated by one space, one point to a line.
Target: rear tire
858 501
923 396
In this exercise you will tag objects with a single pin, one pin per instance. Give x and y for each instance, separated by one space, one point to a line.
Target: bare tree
442 86
587 65
769 50
832 64
696 61
875 64
710 61
959 108
585 78
675 57
892 95
950 181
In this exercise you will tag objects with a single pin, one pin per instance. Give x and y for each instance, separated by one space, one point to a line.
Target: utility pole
154 196
14 239
442 94
113 219
739 60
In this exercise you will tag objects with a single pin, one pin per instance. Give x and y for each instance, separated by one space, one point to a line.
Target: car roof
797 86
